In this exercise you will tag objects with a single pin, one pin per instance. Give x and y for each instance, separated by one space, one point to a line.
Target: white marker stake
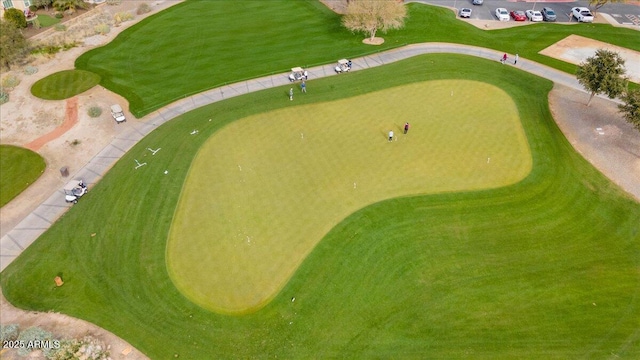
488 160
240 167
301 136
355 185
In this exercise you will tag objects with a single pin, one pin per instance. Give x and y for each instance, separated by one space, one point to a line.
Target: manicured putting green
263 191
64 84
19 168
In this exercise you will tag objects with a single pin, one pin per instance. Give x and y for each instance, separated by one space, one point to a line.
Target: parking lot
623 13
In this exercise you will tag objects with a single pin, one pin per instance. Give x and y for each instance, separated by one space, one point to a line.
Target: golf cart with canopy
298 73
74 190
344 65
118 114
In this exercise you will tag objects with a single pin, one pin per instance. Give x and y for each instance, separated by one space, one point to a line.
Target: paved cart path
39 220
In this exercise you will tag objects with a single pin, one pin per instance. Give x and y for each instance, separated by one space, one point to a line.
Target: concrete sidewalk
36 223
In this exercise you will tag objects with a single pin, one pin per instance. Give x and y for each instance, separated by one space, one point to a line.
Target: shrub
46 49
15 17
58 15
33 334
30 70
123 16
10 81
33 8
67 46
143 9
36 24
85 348
94 111
102 29
4 97
8 332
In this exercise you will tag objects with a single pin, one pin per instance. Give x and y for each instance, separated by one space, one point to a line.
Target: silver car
477 2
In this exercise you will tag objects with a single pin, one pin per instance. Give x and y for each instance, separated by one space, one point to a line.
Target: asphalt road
621 12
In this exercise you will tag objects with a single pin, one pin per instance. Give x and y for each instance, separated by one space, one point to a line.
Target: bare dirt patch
600 134
576 49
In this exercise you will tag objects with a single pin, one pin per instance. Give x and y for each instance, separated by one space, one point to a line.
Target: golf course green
262 227
264 190
529 264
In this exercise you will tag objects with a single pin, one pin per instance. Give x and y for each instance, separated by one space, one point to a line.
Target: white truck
582 14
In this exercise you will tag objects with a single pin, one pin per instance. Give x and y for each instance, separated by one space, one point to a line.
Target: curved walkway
36 223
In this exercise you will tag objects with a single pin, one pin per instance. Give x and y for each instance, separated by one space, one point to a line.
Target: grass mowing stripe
228 41
565 234
64 84
272 185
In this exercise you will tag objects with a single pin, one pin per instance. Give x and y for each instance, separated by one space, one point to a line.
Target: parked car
477 2
502 14
118 114
582 14
518 15
465 13
534 15
548 14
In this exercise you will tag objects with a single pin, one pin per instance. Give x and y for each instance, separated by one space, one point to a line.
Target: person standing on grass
406 127
291 94
516 60
390 135
303 87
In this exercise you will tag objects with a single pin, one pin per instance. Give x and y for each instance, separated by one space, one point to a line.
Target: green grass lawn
544 268
64 84
46 20
199 45
19 168
333 158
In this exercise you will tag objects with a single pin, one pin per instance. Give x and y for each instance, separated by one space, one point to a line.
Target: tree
42 3
631 107
63 5
603 73
15 17
12 44
369 16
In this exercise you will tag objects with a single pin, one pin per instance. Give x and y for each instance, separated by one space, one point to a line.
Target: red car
518 15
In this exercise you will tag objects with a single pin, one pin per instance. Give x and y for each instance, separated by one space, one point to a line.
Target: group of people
406 130
504 57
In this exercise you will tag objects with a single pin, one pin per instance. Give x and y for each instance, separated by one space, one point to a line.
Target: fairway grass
64 84
199 45
546 268
19 168
263 191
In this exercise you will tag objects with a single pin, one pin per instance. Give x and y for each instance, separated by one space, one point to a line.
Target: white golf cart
74 190
344 65
118 114
298 73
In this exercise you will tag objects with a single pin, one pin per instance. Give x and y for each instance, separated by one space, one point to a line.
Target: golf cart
344 65
298 73
74 190
117 113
